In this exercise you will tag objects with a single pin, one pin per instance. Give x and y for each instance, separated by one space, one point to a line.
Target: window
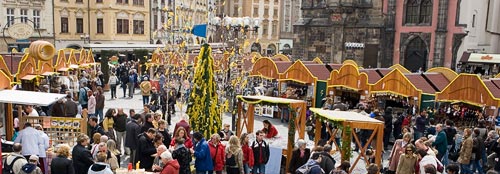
235 11
98 1
138 2
79 25
255 11
100 25
36 18
138 27
265 28
79 1
122 1
426 11
24 15
155 21
64 25
418 12
412 12
275 28
266 12
275 12
122 26
10 16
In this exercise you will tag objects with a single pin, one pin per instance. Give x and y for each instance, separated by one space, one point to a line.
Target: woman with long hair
108 123
407 161
234 156
112 149
269 129
181 132
247 153
397 150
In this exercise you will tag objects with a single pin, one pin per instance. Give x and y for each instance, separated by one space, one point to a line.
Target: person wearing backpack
30 167
15 161
82 95
234 156
311 166
260 150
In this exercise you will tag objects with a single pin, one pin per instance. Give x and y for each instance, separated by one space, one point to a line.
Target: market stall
348 83
395 90
297 82
350 121
467 94
27 73
245 122
264 78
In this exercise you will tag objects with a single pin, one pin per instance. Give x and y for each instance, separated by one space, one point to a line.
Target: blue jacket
203 160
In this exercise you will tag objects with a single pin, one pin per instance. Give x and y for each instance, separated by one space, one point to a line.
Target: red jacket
172 167
219 157
188 143
272 132
247 155
183 124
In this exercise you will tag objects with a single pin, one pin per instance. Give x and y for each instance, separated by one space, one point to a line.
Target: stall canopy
298 72
29 97
470 89
348 77
447 72
354 120
480 58
396 83
266 68
374 75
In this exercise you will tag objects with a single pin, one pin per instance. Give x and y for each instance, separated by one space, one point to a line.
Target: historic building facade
172 19
79 22
423 33
337 30
32 16
289 14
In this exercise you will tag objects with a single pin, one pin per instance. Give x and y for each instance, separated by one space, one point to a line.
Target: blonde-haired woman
407 161
234 156
466 152
397 150
61 163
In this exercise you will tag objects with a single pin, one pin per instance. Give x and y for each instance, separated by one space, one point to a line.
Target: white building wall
46 15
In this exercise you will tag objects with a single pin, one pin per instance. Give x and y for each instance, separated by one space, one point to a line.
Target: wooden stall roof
419 81
279 100
4 67
447 72
298 72
266 68
374 75
13 59
494 89
468 88
319 70
400 68
498 75
439 80
72 58
280 57
348 76
27 66
45 67
29 97
397 83
282 65
5 80
61 63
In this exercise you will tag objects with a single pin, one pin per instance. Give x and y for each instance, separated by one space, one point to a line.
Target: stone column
440 41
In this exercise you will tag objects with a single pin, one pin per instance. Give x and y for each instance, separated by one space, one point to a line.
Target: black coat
166 137
96 129
82 159
62 164
327 162
297 161
145 148
183 156
133 130
260 149
146 126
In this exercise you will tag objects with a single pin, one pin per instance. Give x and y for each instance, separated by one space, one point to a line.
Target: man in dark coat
146 148
82 158
95 128
133 129
70 107
388 126
327 162
57 109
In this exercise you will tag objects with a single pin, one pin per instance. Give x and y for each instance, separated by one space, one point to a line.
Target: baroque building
79 22
337 30
289 14
37 17
423 33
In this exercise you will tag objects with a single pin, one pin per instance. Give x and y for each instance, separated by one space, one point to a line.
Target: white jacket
426 160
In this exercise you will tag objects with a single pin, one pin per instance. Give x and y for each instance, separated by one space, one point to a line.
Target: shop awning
29 97
344 115
482 58
258 99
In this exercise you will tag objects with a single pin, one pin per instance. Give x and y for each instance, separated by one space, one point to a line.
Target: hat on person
33 158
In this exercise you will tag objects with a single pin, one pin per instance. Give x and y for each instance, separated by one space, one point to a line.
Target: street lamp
85 37
231 28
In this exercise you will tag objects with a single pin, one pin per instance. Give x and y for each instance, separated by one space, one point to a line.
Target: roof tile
319 70
493 88
282 66
373 76
420 83
438 79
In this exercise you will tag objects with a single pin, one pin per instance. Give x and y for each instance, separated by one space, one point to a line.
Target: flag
200 30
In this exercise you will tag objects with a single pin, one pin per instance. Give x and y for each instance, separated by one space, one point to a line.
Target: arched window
416 55
426 11
418 12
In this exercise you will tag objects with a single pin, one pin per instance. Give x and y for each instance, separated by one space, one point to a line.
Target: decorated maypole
203 109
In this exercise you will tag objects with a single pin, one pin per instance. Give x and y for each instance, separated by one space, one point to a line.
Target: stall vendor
269 129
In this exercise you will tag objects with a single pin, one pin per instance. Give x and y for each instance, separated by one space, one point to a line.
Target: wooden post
317 130
238 121
9 122
250 117
378 151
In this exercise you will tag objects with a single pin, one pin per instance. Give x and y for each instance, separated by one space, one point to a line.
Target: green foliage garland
203 109
291 124
345 146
